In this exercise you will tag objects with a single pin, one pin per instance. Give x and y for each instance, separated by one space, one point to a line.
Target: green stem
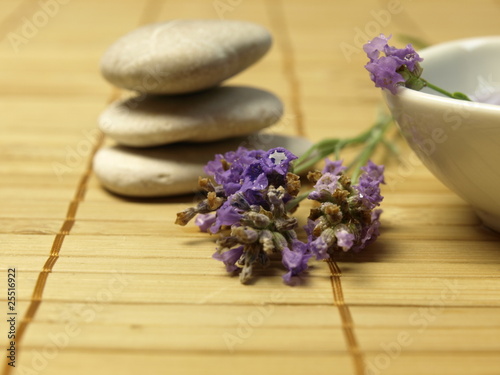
371 138
455 95
377 136
327 147
322 149
391 146
295 201
436 88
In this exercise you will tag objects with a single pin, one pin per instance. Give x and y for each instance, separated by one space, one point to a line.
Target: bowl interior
471 66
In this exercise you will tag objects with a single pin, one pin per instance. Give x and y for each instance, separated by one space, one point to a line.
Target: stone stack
180 116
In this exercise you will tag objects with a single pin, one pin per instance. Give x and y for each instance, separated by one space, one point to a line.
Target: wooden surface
110 286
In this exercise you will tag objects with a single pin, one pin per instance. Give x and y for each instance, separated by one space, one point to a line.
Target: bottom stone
491 220
174 169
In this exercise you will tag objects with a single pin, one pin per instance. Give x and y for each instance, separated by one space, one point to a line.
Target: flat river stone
183 56
222 112
173 169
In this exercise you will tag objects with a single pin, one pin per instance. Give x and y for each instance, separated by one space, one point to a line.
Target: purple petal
368 185
375 171
295 260
319 247
370 232
324 187
238 162
229 257
205 221
231 188
287 278
404 56
309 227
226 215
383 73
333 167
259 183
278 159
375 46
345 239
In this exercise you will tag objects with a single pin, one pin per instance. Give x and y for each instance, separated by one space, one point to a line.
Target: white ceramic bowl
458 141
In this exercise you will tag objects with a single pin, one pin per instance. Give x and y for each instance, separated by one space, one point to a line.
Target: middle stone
219 113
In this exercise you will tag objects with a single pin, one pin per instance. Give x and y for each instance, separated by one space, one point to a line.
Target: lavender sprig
398 67
346 218
248 198
251 196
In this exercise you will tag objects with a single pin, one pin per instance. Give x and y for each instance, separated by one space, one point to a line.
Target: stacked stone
180 116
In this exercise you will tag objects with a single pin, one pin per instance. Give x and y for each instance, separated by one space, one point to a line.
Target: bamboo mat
110 286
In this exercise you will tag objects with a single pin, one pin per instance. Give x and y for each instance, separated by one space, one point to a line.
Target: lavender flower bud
230 258
345 239
345 219
266 239
314 176
399 66
263 259
256 220
246 273
205 221
226 242
332 212
292 184
245 235
249 197
279 241
185 216
285 224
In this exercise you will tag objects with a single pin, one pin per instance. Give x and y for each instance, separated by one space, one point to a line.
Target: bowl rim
410 94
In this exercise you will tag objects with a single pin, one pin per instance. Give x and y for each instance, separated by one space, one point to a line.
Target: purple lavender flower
374 171
334 167
345 239
205 221
345 219
369 185
226 215
375 46
229 169
399 66
405 56
249 198
295 260
320 245
248 192
230 258
261 232
278 160
325 186
383 72
370 232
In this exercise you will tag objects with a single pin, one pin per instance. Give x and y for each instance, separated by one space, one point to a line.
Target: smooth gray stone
183 56
219 113
173 169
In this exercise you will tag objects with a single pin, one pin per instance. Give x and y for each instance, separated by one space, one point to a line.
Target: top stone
183 56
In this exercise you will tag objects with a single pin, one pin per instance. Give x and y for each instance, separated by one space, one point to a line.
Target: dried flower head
245 201
249 201
345 218
399 66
